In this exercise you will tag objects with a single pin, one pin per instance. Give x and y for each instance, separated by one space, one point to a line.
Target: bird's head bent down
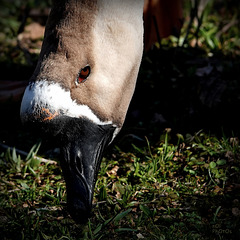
82 86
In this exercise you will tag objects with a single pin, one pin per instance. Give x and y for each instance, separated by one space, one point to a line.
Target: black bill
82 144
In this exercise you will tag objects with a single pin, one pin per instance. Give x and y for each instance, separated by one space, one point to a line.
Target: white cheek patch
52 96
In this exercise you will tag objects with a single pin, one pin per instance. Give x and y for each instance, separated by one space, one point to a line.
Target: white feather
53 97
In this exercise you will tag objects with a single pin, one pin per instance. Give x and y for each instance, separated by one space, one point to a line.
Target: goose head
82 86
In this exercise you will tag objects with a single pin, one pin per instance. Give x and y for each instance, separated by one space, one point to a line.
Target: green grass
187 190
183 187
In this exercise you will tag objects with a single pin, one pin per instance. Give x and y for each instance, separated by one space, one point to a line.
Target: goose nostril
78 163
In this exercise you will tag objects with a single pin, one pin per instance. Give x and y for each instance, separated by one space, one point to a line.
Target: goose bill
82 145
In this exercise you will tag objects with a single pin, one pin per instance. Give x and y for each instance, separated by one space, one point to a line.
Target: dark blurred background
187 83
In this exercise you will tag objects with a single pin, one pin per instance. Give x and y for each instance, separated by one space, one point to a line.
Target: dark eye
83 74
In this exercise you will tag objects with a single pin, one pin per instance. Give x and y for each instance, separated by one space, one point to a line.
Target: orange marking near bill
50 115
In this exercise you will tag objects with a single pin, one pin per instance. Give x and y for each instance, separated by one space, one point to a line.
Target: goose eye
83 74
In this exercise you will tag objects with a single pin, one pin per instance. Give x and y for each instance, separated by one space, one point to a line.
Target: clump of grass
181 186
30 190
186 190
